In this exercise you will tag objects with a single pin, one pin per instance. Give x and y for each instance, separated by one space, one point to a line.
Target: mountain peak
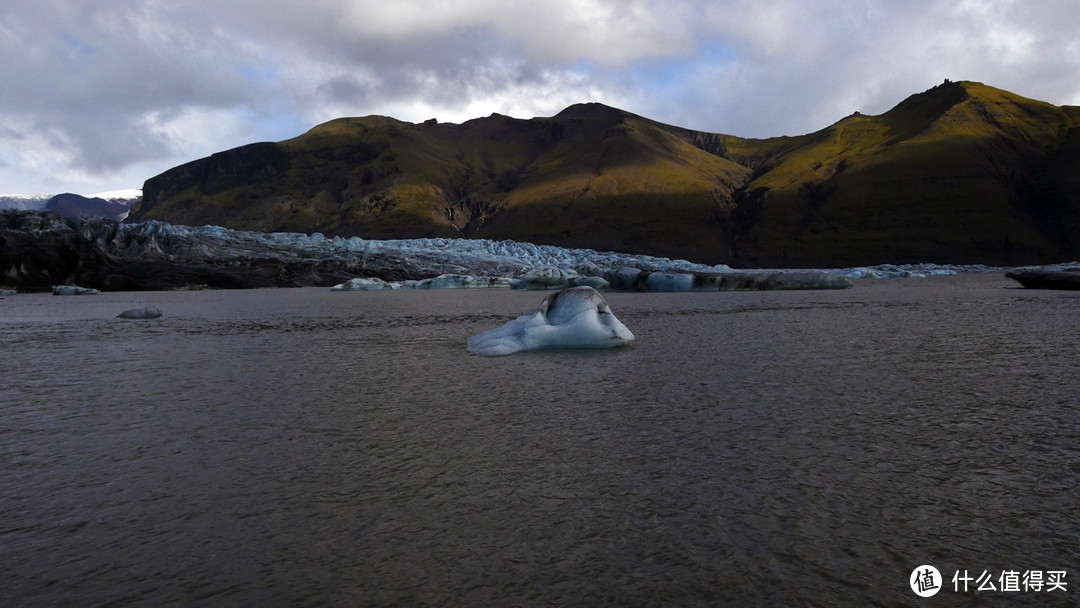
920 110
975 109
592 111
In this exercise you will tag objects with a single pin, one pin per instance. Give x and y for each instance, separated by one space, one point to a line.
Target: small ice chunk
150 312
73 290
572 318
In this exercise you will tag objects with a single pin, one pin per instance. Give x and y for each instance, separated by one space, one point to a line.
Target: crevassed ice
509 257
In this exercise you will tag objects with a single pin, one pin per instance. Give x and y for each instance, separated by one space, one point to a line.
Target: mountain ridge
112 205
960 173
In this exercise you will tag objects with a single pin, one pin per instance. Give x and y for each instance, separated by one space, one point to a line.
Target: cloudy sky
98 95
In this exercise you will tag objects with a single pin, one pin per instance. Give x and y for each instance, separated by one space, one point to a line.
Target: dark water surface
310 448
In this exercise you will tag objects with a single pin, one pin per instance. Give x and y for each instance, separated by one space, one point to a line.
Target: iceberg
577 317
73 290
150 312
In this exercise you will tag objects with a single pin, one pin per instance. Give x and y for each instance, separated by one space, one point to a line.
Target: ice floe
73 290
150 312
578 317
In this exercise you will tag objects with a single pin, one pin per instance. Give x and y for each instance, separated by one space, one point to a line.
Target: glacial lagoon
301 447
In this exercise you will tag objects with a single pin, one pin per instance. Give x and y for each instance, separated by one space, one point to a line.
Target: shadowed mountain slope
962 173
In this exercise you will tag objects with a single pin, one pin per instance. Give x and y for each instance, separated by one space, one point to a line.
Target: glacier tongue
154 255
24 202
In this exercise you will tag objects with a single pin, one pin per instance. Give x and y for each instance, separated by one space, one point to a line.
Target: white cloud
107 89
613 32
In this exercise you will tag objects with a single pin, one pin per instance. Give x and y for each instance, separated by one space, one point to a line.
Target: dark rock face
33 258
1039 279
42 249
217 173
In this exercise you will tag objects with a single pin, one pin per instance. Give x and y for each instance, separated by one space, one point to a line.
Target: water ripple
301 448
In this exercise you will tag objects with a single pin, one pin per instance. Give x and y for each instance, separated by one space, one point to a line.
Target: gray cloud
103 94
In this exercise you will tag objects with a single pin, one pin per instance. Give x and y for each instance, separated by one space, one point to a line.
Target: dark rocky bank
39 249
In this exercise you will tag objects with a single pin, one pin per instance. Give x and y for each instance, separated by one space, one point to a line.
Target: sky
99 95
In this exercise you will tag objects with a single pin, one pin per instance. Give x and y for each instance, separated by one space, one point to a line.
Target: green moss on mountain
961 173
939 178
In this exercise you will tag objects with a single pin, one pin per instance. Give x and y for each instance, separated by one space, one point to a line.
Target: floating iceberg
578 317
150 312
73 290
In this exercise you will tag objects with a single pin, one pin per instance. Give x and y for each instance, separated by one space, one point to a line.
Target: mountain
112 205
77 206
961 173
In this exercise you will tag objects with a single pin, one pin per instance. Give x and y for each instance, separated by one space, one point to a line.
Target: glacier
25 202
362 284
577 317
113 256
